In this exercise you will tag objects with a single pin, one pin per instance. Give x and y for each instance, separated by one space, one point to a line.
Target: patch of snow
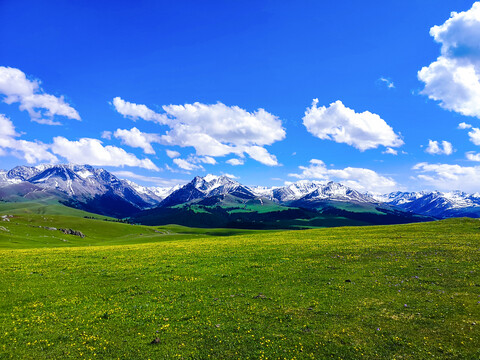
84 174
210 177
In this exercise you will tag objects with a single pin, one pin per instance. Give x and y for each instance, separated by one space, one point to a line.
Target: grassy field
29 230
385 292
52 207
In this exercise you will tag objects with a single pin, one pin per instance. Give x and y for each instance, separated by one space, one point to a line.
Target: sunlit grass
407 291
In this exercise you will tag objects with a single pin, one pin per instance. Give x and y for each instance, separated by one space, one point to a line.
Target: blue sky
227 87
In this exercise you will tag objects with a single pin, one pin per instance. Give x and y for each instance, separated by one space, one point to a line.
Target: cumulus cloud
436 148
390 151
235 162
472 156
193 162
357 178
187 165
137 111
213 130
343 125
454 78
261 155
447 177
7 129
138 139
31 151
464 125
93 152
208 160
41 107
474 136
388 83
84 151
158 181
172 154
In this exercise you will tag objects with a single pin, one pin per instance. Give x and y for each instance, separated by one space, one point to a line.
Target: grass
383 292
44 208
34 231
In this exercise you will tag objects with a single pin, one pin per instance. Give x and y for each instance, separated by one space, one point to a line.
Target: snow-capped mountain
312 191
82 186
151 194
291 192
20 173
4 178
83 182
398 197
98 190
436 203
337 192
210 185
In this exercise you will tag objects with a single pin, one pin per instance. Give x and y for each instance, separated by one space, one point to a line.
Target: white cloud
207 160
31 151
343 125
107 135
474 136
448 177
136 111
471 155
357 178
92 152
7 129
453 79
169 168
41 107
230 176
235 162
148 179
435 148
213 130
138 139
187 165
390 151
464 125
84 151
192 162
261 155
387 82
172 154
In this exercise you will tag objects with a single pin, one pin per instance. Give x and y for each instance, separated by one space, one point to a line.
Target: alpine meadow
239 180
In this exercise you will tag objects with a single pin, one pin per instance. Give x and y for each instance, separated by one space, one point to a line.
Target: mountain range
220 201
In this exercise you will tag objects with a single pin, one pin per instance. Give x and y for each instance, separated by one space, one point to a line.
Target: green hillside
29 230
255 214
45 207
383 292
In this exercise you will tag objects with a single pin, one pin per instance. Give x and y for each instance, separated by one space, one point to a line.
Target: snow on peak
210 177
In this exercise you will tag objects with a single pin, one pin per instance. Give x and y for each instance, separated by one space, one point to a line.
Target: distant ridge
97 190
80 186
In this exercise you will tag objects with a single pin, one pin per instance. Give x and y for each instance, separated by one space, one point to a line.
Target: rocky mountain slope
80 186
435 203
99 191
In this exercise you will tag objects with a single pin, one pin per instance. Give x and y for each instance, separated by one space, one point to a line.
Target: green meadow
137 292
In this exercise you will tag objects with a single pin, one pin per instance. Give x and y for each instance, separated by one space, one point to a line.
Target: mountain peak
210 177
